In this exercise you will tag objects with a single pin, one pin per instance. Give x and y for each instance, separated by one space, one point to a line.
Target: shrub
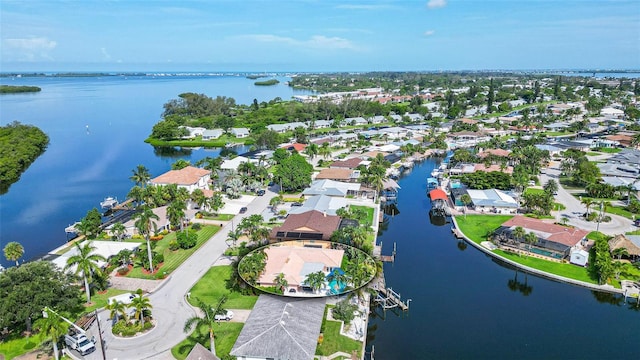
344 311
123 270
187 240
592 216
156 237
196 226
173 245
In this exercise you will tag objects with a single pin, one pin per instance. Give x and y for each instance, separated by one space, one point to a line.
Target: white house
190 178
240 133
579 257
211 134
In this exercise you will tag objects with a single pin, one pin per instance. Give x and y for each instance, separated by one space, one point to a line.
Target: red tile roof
557 233
296 146
496 152
187 176
493 167
438 194
348 163
335 174
310 222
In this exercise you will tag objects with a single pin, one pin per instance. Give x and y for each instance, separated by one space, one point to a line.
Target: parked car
243 210
637 223
296 204
226 316
80 343
260 192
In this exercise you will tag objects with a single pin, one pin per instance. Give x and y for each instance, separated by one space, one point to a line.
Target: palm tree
86 262
518 233
315 280
233 236
207 319
140 175
53 327
180 164
141 304
144 225
13 251
466 200
325 150
198 198
311 150
587 202
281 282
530 238
340 277
175 213
118 230
117 309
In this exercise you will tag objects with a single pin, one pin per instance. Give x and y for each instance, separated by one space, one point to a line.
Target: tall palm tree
86 261
141 304
311 150
518 233
140 176
207 319
233 236
175 213
198 198
117 309
144 224
13 251
530 238
587 202
315 280
53 327
325 150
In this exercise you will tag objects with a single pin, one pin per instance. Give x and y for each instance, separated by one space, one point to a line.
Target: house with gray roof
279 128
211 134
240 133
378 119
356 121
493 200
332 188
281 328
322 203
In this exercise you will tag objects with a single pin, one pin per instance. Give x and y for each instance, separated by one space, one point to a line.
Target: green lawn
609 150
619 210
566 270
476 227
370 212
226 334
173 259
332 341
17 345
533 191
220 217
212 286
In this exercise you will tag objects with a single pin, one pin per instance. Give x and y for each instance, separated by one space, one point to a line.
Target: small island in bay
24 143
267 82
11 89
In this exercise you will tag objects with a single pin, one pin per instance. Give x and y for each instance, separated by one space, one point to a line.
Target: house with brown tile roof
310 225
495 152
557 238
492 167
190 177
337 174
351 163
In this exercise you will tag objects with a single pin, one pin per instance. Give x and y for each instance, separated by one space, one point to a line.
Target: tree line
20 146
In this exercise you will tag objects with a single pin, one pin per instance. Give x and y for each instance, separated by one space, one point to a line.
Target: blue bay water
97 127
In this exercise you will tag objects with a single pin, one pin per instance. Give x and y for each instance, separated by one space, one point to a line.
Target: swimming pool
336 287
547 253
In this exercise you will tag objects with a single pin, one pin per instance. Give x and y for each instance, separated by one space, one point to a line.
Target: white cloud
314 42
32 48
105 54
429 32
435 4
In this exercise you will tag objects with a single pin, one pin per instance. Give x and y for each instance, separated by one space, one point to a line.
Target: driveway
170 309
575 209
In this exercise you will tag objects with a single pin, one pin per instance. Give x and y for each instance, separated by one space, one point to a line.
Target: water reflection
437 220
171 152
522 287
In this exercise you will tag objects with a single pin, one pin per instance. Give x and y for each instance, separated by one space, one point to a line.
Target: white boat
109 202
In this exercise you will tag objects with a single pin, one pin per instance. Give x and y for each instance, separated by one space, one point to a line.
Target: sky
318 35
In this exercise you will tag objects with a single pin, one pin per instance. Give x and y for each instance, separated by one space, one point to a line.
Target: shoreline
534 271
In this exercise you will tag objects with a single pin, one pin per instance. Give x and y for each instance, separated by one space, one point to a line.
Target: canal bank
469 305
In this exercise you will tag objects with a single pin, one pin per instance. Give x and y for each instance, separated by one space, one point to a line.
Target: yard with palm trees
173 258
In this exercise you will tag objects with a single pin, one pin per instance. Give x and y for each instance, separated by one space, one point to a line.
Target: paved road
575 209
170 308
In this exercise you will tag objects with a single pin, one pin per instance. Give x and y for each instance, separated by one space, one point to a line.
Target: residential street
170 309
575 209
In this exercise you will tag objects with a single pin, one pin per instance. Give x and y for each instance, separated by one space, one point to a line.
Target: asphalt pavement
574 209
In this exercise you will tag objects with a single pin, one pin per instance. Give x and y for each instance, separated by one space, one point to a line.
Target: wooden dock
388 299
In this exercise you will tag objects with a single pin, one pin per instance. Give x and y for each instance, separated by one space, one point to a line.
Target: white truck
80 343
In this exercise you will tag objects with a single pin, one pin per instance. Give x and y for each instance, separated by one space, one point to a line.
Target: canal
464 305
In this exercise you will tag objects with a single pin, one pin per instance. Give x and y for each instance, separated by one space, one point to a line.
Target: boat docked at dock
109 203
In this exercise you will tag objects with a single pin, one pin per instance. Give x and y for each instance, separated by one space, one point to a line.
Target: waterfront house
552 240
332 188
493 200
106 248
351 163
190 178
193 131
309 225
211 134
240 133
296 262
280 328
232 164
322 203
